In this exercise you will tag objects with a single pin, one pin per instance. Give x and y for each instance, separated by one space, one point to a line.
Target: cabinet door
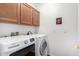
36 17
9 12
26 14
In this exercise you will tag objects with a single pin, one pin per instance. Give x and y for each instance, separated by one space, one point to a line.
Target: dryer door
43 49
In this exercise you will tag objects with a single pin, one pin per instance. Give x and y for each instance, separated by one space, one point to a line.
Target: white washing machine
17 46
42 48
32 45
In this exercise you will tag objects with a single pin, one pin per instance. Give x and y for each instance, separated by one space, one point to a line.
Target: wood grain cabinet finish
26 14
19 13
36 17
9 12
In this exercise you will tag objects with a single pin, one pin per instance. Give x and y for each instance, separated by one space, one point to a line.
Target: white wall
62 38
78 30
34 5
6 29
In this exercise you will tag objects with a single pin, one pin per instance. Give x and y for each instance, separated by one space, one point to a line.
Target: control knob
25 41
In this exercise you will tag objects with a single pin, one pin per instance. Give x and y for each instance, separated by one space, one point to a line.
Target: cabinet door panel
36 17
9 12
26 14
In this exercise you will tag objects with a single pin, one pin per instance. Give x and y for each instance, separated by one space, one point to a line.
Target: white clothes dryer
41 46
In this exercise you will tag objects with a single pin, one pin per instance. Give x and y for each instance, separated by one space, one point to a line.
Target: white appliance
30 45
16 46
42 48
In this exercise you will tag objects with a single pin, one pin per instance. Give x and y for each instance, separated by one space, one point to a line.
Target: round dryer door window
43 47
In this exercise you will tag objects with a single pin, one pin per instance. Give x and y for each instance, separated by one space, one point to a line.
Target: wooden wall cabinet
9 12
36 17
19 13
26 14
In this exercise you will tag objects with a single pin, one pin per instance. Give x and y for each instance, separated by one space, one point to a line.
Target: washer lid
42 48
